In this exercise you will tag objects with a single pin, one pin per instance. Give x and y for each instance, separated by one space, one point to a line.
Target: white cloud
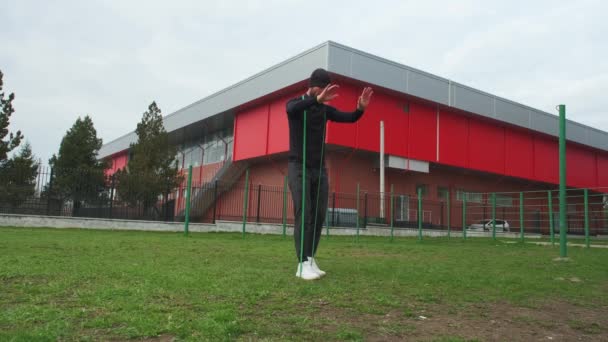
110 59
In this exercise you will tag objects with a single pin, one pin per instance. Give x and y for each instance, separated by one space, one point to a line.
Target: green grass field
99 285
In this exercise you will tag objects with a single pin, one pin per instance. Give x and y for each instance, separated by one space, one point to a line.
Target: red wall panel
422 132
278 128
344 134
486 147
581 170
602 170
117 162
120 162
463 141
251 133
519 153
390 110
453 139
546 160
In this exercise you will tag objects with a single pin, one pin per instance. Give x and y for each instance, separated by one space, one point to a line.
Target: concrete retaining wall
220 226
97 223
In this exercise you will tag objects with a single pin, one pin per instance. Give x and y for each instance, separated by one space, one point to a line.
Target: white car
486 225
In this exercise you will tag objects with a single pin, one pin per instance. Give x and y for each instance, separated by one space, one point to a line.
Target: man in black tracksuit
318 113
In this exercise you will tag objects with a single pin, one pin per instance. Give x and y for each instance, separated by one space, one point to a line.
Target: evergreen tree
78 175
6 110
18 178
152 171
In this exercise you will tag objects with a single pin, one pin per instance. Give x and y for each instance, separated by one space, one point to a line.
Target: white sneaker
315 267
307 272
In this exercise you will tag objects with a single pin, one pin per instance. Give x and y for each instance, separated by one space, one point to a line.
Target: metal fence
535 212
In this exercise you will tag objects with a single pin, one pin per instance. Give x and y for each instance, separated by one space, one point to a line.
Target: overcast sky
110 59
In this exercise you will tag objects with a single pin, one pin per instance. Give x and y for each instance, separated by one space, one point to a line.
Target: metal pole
521 216
464 215
214 200
392 209
449 215
382 170
551 228
333 212
494 216
326 225
357 213
419 214
365 217
563 250
188 190
112 195
259 199
327 219
441 205
284 206
245 201
50 193
586 193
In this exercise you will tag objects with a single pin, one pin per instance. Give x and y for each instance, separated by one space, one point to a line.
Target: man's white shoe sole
315 277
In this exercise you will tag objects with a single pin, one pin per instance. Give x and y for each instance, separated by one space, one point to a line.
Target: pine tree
151 172
6 110
18 178
78 175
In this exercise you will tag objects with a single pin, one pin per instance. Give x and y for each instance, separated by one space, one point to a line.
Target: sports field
90 285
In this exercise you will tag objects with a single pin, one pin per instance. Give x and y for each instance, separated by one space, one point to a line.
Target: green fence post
551 224
586 192
284 206
245 201
563 250
50 192
327 224
464 215
188 190
494 216
357 214
449 215
419 214
391 212
521 216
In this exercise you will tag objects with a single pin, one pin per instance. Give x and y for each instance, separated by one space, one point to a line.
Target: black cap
319 78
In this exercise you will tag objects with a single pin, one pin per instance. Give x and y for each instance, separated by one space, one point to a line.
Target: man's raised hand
363 101
328 94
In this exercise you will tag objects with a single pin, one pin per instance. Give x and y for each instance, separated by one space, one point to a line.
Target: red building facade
467 140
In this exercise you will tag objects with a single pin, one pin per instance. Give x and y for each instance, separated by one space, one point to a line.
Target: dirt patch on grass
555 321
162 338
12 280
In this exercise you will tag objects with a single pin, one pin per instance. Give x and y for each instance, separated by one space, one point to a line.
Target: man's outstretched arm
335 115
362 103
299 105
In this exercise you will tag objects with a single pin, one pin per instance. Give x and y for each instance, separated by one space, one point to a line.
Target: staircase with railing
204 197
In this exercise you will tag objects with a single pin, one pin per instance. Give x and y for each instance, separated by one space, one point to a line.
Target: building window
196 156
217 148
179 160
504 200
211 148
460 194
442 192
472 197
423 189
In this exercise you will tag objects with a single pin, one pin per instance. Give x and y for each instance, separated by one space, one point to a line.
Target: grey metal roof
359 65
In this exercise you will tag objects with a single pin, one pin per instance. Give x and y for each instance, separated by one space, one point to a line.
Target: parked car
486 225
